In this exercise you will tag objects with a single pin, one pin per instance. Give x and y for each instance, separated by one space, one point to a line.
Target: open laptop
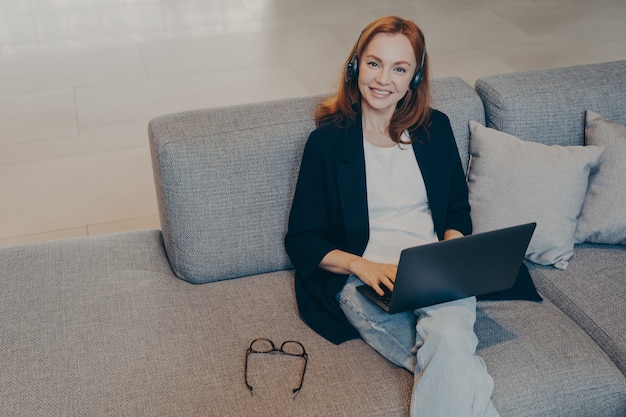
453 269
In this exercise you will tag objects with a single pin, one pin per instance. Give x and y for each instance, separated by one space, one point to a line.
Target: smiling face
386 69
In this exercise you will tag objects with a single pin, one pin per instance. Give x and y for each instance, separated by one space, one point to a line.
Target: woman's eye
373 64
401 70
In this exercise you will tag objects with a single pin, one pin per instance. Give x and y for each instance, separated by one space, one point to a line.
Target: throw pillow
603 216
513 181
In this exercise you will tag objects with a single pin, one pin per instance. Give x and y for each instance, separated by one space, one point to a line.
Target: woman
379 174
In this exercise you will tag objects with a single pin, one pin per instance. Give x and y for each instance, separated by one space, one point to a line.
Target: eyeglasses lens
292 348
262 346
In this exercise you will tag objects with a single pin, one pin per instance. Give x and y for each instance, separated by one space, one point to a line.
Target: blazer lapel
352 189
434 169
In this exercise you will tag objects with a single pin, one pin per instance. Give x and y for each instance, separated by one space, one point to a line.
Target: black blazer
329 210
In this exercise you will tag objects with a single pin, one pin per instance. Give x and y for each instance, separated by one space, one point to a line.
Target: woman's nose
382 77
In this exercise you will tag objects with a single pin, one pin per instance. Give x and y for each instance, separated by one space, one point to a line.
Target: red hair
412 112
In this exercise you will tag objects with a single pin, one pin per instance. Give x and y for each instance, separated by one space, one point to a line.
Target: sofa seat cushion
592 292
101 326
545 365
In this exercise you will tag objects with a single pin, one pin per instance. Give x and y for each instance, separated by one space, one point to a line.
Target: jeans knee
454 339
449 331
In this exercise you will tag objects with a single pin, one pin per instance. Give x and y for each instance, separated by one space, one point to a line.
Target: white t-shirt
399 213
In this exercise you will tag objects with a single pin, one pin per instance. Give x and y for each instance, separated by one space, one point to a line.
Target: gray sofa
157 323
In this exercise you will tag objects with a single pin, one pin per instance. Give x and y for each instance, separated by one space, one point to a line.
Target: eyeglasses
290 347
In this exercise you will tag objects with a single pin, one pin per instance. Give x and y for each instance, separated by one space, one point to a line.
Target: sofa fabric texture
224 212
592 292
157 322
551 104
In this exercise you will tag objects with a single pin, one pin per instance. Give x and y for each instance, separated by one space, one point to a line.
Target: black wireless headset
352 69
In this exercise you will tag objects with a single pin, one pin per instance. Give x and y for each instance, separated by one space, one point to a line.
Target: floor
80 79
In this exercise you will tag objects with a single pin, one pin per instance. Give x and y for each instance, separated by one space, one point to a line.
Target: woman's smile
379 92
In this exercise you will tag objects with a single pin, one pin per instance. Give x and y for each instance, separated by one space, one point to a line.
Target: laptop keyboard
385 298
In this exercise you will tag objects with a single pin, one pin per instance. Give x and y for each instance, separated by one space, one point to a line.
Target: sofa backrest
225 178
548 106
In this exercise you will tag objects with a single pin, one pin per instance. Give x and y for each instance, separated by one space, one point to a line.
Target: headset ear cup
352 69
417 80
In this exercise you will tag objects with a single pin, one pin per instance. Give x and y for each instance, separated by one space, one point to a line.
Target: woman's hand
371 273
376 275
452 234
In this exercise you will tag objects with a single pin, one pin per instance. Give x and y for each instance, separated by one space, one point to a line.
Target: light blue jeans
437 344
